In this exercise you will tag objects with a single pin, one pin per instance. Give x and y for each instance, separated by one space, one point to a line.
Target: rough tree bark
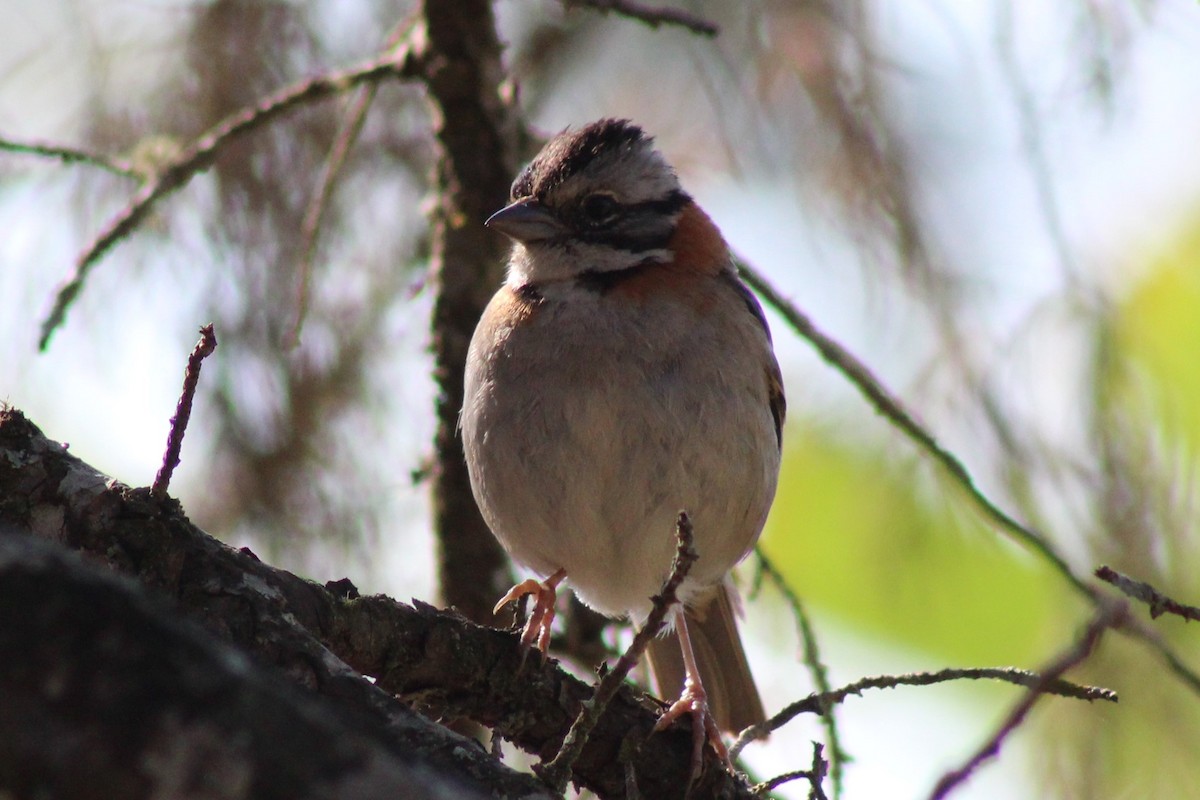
324 639
476 135
107 695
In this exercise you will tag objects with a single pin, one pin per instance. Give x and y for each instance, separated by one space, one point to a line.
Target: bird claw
536 632
694 701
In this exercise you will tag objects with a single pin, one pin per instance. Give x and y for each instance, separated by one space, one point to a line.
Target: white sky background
1121 183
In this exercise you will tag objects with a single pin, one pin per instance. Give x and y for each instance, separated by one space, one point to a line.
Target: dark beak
526 220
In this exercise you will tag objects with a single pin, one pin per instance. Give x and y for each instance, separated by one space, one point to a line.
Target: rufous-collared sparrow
621 374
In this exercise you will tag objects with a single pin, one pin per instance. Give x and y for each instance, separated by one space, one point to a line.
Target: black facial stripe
646 211
604 281
669 205
638 227
629 243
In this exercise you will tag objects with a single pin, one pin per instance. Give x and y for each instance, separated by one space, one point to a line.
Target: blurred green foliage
865 536
860 536
1158 334
1152 748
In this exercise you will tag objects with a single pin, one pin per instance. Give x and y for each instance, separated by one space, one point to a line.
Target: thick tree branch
435 659
476 163
109 695
273 614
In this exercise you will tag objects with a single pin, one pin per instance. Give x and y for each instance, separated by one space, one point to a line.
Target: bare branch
817 703
183 410
200 154
1033 144
815 775
890 406
816 668
72 155
1108 615
654 17
417 654
351 127
352 123
1159 603
892 409
476 130
558 771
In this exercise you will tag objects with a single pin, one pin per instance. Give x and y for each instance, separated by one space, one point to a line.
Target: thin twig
352 123
893 409
816 703
815 775
816 668
1109 614
72 155
183 410
1159 603
654 17
557 771
201 153
1033 143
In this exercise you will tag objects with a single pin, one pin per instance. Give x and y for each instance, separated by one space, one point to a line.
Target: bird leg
537 627
694 700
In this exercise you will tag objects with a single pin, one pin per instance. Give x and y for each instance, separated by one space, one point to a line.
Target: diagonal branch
892 409
1108 615
197 156
72 155
143 699
351 127
890 406
436 660
294 625
1159 603
558 771
654 17
816 669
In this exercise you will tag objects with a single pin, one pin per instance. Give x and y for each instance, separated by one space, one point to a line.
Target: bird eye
599 208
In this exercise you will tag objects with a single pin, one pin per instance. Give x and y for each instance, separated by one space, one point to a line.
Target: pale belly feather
585 449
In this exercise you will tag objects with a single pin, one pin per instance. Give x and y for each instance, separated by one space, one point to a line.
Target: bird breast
593 416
